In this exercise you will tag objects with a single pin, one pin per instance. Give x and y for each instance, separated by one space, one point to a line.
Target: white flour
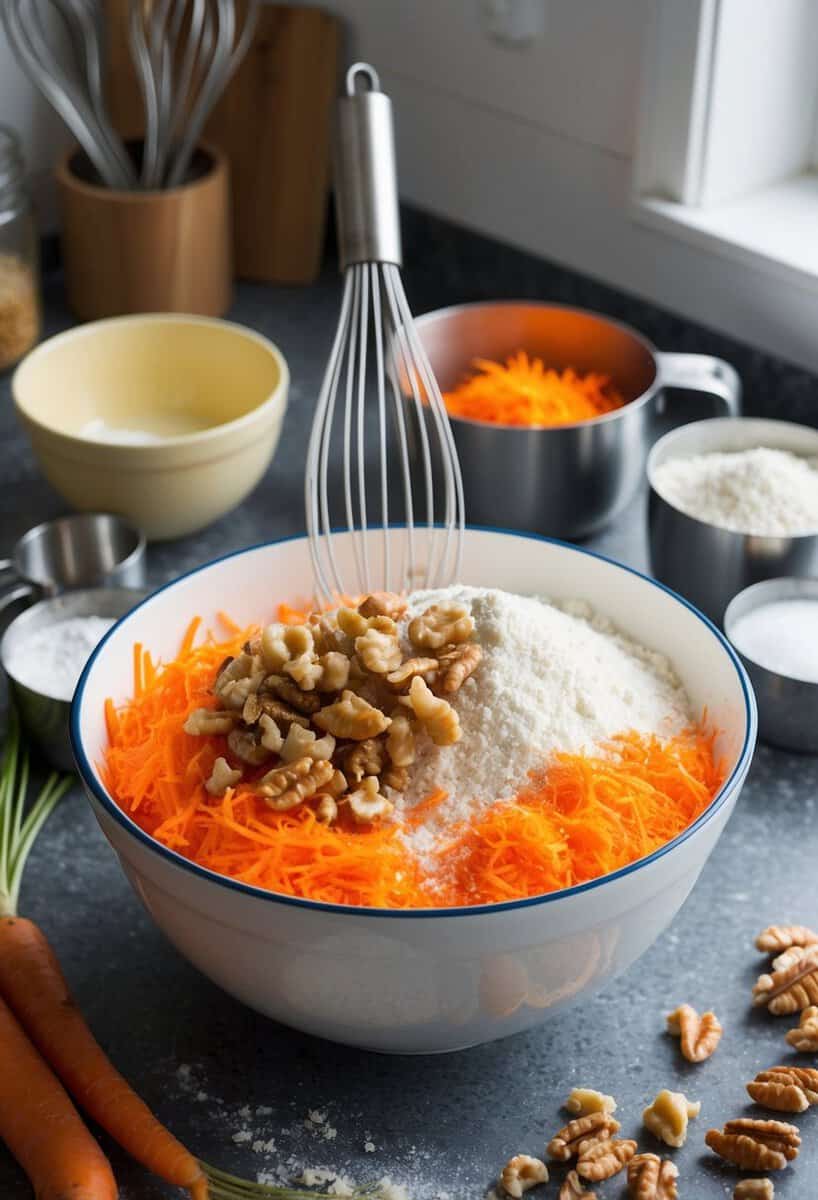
51 660
551 678
763 492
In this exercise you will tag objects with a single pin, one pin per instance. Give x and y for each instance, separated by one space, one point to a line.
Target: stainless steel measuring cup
45 716
566 481
85 550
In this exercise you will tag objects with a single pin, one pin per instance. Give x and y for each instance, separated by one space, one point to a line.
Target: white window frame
693 72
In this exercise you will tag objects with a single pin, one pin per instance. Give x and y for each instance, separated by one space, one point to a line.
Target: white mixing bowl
424 980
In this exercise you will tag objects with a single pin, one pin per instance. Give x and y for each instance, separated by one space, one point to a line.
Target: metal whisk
381 448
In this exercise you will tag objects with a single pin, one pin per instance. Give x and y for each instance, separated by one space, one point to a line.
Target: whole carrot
41 1127
35 989
34 986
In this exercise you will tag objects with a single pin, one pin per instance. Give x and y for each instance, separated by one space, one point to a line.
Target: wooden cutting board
274 124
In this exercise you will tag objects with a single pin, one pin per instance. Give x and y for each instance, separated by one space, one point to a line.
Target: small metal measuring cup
80 551
45 717
87 564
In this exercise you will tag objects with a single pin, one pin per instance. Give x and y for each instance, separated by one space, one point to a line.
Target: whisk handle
366 188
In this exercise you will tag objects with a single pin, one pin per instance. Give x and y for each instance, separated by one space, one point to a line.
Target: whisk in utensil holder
146 251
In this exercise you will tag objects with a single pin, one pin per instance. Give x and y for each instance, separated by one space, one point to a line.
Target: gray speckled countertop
216 1072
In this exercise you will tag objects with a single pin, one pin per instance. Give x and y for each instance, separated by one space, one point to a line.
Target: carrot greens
18 829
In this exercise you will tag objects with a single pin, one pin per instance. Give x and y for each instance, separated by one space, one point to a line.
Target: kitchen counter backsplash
446 264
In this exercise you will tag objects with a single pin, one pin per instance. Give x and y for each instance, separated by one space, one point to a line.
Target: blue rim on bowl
734 780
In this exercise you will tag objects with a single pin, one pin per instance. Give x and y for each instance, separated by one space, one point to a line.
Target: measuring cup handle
23 591
702 373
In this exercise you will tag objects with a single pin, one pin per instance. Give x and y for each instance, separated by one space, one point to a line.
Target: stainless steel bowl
787 707
570 480
83 550
45 718
706 564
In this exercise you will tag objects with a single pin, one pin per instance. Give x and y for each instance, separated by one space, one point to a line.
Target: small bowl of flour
44 651
774 627
732 502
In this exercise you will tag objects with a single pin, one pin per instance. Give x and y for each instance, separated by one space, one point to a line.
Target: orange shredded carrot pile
523 391
581 817
585 816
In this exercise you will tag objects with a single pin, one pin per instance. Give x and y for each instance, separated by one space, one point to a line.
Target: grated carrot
581 817
584 816
523 391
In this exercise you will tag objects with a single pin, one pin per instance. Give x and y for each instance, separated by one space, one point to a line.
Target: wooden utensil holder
157 251
273 123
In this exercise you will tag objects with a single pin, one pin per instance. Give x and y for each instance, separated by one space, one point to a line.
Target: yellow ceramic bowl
167 420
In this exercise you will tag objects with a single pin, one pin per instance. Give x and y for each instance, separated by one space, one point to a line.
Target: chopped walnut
602 1159
441 625
805 1037
282 643
222 777
328 638
521 1174
582 1101
437 716
367 804
379 652
238 678
776 938
334 671
565 1144
406 672
754 1189
790 990
287 786
652 1178
457 664
271 736
787 957
573 1188
305 670
755 1145
290 693
400 741
700 1035
352 717
302 743
247 745
382 604
351 622
283 714
668 1115
326 809
337 784
396 778
364 758
785 1089
203 722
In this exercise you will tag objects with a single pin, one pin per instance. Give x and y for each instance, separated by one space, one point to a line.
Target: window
728 144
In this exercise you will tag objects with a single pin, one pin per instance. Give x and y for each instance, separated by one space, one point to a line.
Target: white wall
533 145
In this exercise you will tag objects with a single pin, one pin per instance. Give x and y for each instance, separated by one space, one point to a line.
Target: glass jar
19 259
